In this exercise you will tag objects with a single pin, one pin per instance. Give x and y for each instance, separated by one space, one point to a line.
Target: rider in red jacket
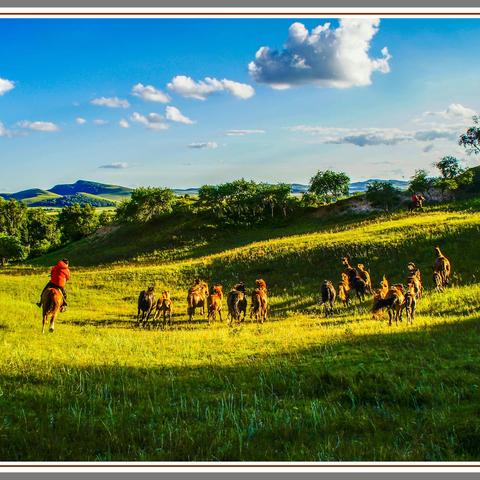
59 276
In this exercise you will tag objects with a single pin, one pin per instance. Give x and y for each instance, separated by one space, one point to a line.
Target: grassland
300 387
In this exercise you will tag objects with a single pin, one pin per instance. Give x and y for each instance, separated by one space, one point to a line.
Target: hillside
112 192
31 196
301 387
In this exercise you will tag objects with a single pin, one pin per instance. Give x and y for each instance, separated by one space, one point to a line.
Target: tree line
34 231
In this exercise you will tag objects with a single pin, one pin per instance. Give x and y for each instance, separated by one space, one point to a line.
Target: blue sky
350 105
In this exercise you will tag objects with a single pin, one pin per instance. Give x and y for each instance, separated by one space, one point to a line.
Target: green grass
299 388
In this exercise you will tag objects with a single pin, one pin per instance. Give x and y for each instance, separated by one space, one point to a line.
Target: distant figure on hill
417 201
59 276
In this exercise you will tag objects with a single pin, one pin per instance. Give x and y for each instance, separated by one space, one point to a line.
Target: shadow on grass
412 395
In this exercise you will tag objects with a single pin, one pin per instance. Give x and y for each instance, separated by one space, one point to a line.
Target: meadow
300 387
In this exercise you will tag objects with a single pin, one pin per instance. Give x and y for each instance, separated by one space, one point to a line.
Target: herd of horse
355 282
394 299
207 300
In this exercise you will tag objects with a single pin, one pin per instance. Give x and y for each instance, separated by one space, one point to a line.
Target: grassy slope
298 388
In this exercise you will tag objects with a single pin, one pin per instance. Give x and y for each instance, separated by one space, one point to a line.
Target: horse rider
59 276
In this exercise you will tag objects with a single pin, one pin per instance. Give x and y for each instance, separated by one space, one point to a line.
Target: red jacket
60 274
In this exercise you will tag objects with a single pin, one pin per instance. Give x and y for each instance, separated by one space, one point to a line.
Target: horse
237 302
442 266
52 301
410 302
146 303
380 294
416 204
328 297
197 298
355 282
259 306
164 307
415 278
393 302
365 276
214 302
344 290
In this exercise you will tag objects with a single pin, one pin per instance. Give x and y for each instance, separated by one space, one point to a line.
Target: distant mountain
362 186
104 195
114 192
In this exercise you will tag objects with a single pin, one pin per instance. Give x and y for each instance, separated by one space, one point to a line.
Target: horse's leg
220 315
44 319
52 322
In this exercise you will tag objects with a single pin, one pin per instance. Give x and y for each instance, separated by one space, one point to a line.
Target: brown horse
393 303
237 303
164 307
415 278
214 302
328 297
52 301
380 294
197 298
364 274
443 267
344 290
259 306
410 302
355 282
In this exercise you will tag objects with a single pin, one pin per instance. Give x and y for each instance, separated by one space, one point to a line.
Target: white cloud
4 132
115 166
326 56
100 121
111 102
39 126
241 133
124 123
175 115
187 87
200 145
362 137
6 86
80 121
454 112
149 93
152 121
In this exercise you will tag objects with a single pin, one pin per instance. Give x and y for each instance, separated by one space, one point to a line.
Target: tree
449 167
383 195
11 249
328 185
470 140
77 221
146 204
106 218
13 218
421 182
42 231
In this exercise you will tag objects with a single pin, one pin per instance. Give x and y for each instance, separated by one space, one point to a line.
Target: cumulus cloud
6 86
175 115
362 137
124 123
200 145
100 121
80 121
152 121
149 93
4 132
111 102
242 133
39 126
454 112
326 56
187 87
115 166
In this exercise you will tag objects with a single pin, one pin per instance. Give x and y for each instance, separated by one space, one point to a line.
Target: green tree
77 221
449 167
146 204
13 218
470 140
328 185
383 195
11 248
421 182
106 218
42 231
